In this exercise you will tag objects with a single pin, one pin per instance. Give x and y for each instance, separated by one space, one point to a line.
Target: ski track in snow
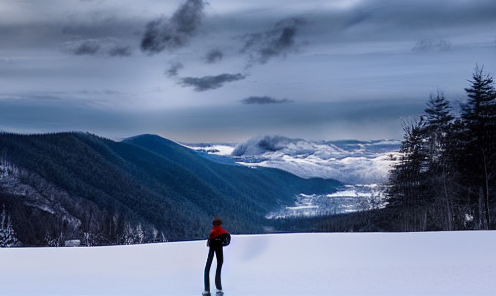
436 263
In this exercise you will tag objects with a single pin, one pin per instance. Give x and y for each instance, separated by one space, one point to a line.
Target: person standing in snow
217 239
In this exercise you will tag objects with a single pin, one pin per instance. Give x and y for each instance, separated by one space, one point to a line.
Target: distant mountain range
349 161
78 186
362 166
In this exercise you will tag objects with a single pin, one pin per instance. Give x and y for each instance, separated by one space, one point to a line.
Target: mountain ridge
141 189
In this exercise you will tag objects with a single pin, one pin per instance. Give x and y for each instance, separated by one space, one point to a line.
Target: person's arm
209 238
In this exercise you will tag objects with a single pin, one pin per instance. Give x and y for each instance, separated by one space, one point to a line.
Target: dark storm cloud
174 69
432 45
278 41
89 47
176 32
214 56
106 47
210 82
264 100
120 51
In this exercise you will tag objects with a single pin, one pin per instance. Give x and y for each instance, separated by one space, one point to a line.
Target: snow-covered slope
351 162
396 264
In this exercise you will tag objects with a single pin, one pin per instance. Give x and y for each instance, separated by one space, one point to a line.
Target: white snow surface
435 263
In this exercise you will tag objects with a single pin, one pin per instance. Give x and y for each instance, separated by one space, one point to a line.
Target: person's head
217 221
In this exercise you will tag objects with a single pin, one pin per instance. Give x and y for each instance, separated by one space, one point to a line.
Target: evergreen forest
445 178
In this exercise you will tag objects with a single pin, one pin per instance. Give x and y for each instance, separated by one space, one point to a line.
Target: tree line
444 177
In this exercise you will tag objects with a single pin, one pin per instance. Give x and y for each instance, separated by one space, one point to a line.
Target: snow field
436 263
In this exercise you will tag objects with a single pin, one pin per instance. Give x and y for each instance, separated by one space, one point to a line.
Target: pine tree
438 130
438 118
479 154
438 112
479 110
408 190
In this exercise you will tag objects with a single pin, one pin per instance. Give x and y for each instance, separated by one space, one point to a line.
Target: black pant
220 259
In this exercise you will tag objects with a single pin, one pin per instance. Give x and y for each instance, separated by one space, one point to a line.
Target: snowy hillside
396 264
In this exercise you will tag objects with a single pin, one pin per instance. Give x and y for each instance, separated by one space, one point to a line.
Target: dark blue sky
228 70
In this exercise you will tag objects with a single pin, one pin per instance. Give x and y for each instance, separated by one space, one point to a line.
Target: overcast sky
227 70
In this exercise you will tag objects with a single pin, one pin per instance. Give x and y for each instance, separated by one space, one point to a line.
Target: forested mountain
58 187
